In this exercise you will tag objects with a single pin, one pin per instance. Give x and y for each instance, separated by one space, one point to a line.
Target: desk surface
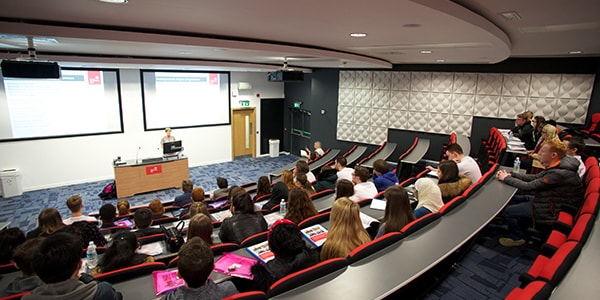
418 152
581 282
424 249
317 164
355 155
387 150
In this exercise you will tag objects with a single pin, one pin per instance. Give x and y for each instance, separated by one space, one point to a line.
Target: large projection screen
82 102
180 99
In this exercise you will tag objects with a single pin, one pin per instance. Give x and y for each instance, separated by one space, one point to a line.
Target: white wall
55 162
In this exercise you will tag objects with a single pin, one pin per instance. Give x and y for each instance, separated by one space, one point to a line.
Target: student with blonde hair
123 207
287 177
346 231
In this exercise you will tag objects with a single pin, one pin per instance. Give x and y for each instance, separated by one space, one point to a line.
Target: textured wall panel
486 106
347 79
438 123
510 107
544 85
346 96
346 114
380 98
576 86
344 132
399 100
379 117
462 104
571 111
397 118
401 81
465 83
442 82
460 124
420 81
377 135
440 102
542 106
361 134
417 121
364 80
419 101
362 115
489 84
516 85
382 80
362 97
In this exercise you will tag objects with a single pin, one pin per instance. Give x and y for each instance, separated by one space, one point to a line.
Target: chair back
322 193
16 296
305 276
314 220
252 295
8 268
130 272
419 223
373 246
254 239
147 239
452 204
218 249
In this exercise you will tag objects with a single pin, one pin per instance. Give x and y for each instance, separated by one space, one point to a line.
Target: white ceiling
260 34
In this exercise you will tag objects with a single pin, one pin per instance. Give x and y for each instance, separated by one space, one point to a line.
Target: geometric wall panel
370 102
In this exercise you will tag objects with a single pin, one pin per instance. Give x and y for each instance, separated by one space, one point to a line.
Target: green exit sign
244 103
297 104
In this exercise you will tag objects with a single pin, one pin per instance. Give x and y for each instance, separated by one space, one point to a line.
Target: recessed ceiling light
185 52
114 1
440 60
575 52
358 34
510 15
426 51
411 25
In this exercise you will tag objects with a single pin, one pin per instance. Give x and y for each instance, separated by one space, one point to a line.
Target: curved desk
381 274
355 155
418 152
386 152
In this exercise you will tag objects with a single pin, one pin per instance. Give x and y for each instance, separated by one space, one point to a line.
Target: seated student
538 125
23 256
382 176
143 220
549 133
291 255
121 254
344 188
362 187
343 172
198 195
299 206
244 222
222 190
108 213
398 211
49 222
200 226
196 262
186 186
157 209
75 205
57 262
123 208
326 179
312 155
9 240
303 183
524 131
198 201
199 208
346 231
280 190
302 167
263 187
429 196
575 146
466 165
450 182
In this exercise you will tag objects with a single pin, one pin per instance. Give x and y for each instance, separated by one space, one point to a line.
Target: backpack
109 191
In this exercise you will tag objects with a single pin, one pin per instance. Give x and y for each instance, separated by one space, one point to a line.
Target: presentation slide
185 99
82 102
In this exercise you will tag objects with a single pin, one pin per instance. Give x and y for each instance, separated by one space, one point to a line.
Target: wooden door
243 133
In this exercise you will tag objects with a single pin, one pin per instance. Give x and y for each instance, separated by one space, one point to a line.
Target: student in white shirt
575 146
362 188
313 154
302 167
466 165
343 172
75 205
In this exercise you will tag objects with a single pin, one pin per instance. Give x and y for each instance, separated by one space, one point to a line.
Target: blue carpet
22 211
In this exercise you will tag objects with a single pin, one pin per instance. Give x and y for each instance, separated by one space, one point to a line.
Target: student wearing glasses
362 187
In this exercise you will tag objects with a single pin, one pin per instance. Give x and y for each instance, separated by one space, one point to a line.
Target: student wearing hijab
429 196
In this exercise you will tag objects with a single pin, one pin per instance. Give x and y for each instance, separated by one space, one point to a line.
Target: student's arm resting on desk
544 180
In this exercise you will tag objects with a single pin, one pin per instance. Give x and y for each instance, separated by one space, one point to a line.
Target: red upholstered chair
247 184
593 172
147 239
16 296
419 223
322 193
374 246
130 272
252 295
305 276
536 290
254 239
452 204
593 125
590 162
579 233
592 187
373 153
164 220
314 220
217 249
8 268
552 269
262 197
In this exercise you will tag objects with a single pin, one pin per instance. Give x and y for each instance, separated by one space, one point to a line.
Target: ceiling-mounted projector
30 69
285 75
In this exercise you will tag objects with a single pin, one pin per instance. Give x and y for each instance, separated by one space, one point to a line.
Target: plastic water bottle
92 256
510 135
517 165
282 207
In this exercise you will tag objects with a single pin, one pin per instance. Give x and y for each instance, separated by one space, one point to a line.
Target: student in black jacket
524 131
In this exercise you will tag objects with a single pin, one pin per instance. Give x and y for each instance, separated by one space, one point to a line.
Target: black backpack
109 191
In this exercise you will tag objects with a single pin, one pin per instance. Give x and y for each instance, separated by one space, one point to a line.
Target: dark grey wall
320 91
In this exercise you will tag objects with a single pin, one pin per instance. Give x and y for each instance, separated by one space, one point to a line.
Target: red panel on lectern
151 170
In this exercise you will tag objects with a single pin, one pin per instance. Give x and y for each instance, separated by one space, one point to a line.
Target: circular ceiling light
358 34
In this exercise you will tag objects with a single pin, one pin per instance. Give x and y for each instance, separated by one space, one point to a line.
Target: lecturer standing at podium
167 138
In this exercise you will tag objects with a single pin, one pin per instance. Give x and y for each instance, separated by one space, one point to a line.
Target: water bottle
282 207
92 256
517 165
510 135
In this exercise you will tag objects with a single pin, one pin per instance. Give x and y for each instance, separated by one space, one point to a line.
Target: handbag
174 237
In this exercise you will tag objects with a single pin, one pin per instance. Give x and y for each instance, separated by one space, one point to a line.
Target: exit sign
245 103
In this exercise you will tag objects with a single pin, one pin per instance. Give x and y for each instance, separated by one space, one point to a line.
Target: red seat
579 233
217 250
593 124
245 185
316 219
16 296
553 269
373 153
254 239
452 204
130 272
252 295
535 290
262 197
8 268
593 172
305 276
374 246
147 239
419 223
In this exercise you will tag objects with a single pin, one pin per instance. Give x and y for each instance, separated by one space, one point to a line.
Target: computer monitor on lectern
172 147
